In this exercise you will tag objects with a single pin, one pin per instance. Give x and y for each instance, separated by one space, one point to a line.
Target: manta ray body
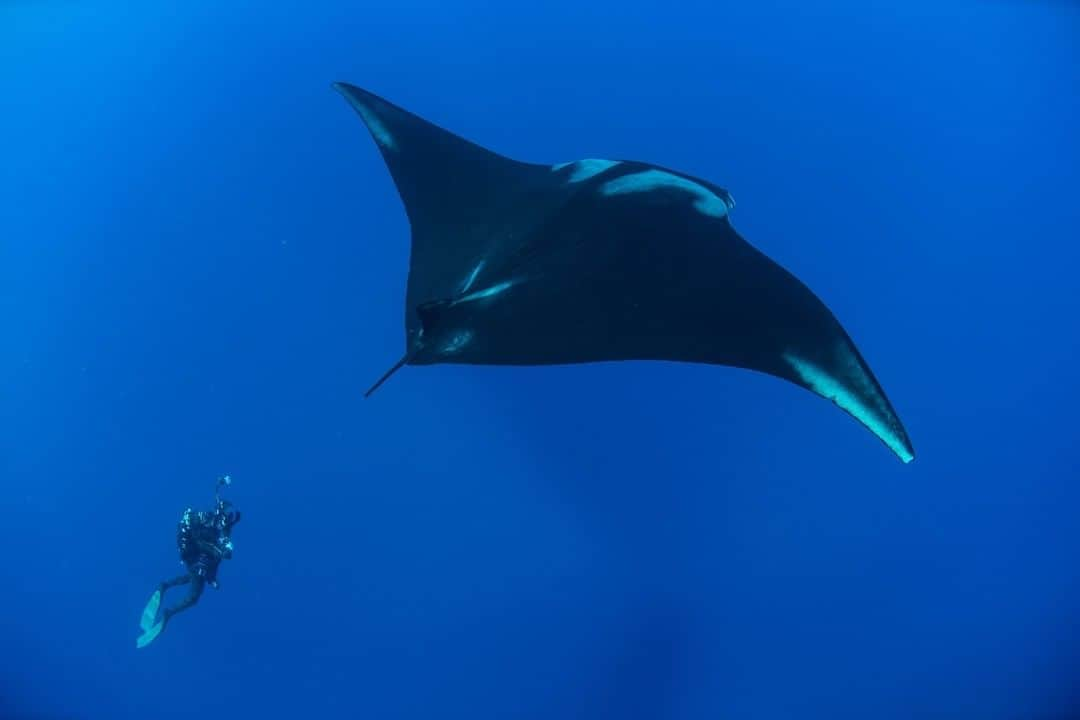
516 263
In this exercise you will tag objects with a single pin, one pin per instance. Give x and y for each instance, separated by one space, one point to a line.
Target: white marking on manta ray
585 169
472 277
488 292
706 203
828 387
458 341
378 130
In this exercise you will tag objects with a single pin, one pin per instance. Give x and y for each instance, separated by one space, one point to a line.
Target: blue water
202 266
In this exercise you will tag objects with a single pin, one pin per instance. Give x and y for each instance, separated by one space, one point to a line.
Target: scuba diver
203 539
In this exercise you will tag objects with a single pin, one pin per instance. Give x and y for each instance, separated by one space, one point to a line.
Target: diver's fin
386 376
150 634
149 613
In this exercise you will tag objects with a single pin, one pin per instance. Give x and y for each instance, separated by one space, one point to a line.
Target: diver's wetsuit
203 541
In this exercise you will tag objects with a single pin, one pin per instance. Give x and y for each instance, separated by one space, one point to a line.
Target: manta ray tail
386 375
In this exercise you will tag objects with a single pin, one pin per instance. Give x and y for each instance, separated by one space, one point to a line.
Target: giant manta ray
515 263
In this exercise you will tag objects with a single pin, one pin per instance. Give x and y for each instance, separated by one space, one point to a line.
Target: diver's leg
181 580
197 584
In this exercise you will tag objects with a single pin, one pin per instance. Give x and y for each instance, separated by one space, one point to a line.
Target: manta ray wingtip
343 88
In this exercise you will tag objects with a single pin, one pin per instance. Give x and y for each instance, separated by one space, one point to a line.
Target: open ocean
202 267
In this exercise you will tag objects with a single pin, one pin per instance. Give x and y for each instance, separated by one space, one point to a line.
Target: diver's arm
223 481
210 548
231 519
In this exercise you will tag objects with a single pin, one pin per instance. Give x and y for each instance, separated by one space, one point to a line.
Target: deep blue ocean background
202 266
